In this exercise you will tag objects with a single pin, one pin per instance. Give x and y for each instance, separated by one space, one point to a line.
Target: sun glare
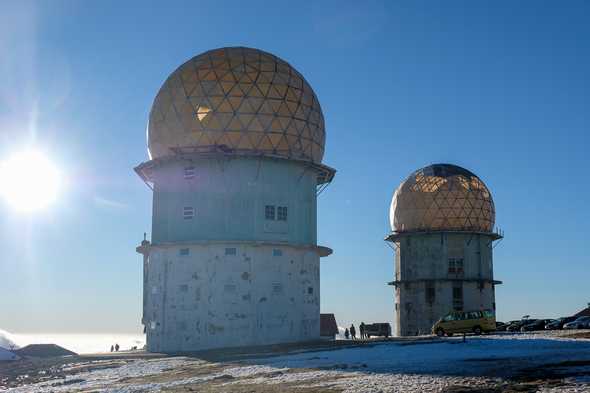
28 181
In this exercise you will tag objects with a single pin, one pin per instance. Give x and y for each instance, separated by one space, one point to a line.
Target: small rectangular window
229 288
153 325
459 265
189 172
188 213
310 291
277 252
183 288
183 252
430 292
282 213
269 212
231 251
451 265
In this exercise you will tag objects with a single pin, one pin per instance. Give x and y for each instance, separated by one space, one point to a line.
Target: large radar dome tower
236 138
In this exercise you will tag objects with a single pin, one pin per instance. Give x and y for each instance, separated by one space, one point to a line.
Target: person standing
352 331
117 347
346 334
362 330
112 348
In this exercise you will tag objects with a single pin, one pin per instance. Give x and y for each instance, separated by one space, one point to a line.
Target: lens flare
29 181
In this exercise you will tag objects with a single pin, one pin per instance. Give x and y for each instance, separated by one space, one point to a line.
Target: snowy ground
557 364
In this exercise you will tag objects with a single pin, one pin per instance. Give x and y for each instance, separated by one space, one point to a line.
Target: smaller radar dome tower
442 219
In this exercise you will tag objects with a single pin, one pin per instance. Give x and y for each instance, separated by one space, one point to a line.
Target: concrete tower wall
428 270
220 272
211 295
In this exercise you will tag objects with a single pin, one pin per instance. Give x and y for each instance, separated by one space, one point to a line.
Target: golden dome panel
238 99
442 197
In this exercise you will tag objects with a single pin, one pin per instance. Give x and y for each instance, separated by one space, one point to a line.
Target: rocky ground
542 362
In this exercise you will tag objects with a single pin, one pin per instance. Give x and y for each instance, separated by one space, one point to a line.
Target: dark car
378 329
559 322
538 324
501 326
516 325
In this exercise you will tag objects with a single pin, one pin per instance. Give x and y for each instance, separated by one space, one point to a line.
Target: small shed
328 327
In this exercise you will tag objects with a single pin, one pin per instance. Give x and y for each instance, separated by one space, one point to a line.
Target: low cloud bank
7 341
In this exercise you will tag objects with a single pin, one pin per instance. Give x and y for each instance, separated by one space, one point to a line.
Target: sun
29 181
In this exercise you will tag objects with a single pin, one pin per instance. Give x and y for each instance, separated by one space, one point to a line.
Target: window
277 288
430 293
451 265
282 213
183 252
458 296
310 291
188 213
231 251
456 265
189 172
229 288
153 325
277 252
269 212
183 288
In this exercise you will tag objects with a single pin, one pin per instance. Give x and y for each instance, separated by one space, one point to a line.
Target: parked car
538 324
580 323
476 322
501 326
559 322
378 329
516 325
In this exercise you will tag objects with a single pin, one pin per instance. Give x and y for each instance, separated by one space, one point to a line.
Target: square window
188 213
277 252
269 212
189 172
282 213
183 252
231 251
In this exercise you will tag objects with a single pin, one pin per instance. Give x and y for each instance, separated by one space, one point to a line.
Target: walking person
117 347
346 334
112 348
352 331
362 330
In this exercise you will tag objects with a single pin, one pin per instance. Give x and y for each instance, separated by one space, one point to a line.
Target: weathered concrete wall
208 299
422 260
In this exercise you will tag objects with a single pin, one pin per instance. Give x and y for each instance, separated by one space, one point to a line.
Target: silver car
580 323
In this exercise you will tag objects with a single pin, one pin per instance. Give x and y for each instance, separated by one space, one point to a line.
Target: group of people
115 348
351 332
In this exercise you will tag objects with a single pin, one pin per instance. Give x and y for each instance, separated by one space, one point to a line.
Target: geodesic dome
239 99
442 197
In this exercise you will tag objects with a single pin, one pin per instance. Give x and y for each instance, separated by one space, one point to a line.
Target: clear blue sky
499 87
